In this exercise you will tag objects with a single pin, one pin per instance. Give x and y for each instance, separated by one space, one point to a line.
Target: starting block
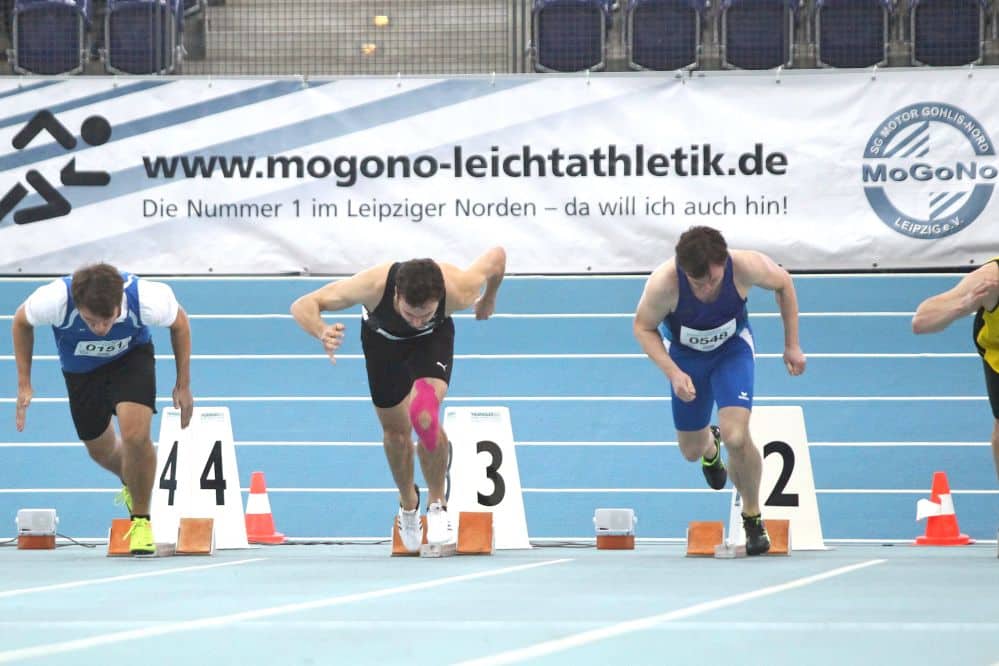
398 550
439 549
707 539
476 536
475 533
195 536
728 551
703 537
117 543
780 536
780 541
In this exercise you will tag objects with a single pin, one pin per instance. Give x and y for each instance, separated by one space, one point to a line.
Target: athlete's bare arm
364 288
658 300
753 268
477 285
977 289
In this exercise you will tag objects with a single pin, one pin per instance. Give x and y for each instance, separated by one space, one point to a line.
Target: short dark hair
98 288
699 248
419 280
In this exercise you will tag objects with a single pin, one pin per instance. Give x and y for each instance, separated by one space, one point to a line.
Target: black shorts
992 384
393 364
94 395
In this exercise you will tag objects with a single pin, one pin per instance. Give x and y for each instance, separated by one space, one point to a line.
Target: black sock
140 515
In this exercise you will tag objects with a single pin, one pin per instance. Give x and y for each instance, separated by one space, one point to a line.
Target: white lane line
8 656
461 625
586 637
114 579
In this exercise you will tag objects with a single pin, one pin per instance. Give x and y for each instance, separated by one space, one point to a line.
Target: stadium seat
6 9
757 34
569 35
49 36
663 34
852 33
143 36
947 32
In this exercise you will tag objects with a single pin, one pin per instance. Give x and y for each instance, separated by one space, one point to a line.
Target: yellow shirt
986 333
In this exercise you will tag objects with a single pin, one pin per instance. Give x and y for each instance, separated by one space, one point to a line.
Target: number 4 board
197 477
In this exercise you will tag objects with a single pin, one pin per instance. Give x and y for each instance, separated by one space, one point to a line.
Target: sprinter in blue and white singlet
100 317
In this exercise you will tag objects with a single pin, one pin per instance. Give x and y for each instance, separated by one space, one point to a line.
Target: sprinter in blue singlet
101 317
692 323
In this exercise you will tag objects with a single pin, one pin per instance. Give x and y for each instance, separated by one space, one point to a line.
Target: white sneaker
439 528
410 529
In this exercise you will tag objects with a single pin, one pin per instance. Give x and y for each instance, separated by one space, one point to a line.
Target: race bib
102 348
707 340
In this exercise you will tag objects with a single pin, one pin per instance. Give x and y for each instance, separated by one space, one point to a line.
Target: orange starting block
398 550
475 533
780 536
196 536
118 545
703 536
476 536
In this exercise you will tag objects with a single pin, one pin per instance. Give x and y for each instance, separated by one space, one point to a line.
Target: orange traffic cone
259 521
941 521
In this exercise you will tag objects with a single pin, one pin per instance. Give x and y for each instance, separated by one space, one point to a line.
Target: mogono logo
926 172
95 131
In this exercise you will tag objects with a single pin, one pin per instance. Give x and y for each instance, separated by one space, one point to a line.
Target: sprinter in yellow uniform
977 292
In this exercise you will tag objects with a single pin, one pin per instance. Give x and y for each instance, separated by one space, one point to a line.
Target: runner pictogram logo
94 131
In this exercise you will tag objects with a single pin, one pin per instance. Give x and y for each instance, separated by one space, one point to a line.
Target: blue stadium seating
852 33
49 36
663 34
947 32
142 36
569 35
757 34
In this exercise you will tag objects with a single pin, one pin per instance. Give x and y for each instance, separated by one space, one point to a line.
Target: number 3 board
483 473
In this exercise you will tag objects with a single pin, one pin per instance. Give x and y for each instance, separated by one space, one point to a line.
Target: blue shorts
723 376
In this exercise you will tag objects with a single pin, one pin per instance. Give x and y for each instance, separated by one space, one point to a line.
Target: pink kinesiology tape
425 400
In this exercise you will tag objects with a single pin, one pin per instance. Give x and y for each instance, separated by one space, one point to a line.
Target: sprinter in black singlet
408 340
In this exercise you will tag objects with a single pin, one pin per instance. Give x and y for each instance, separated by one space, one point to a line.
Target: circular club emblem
929 170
